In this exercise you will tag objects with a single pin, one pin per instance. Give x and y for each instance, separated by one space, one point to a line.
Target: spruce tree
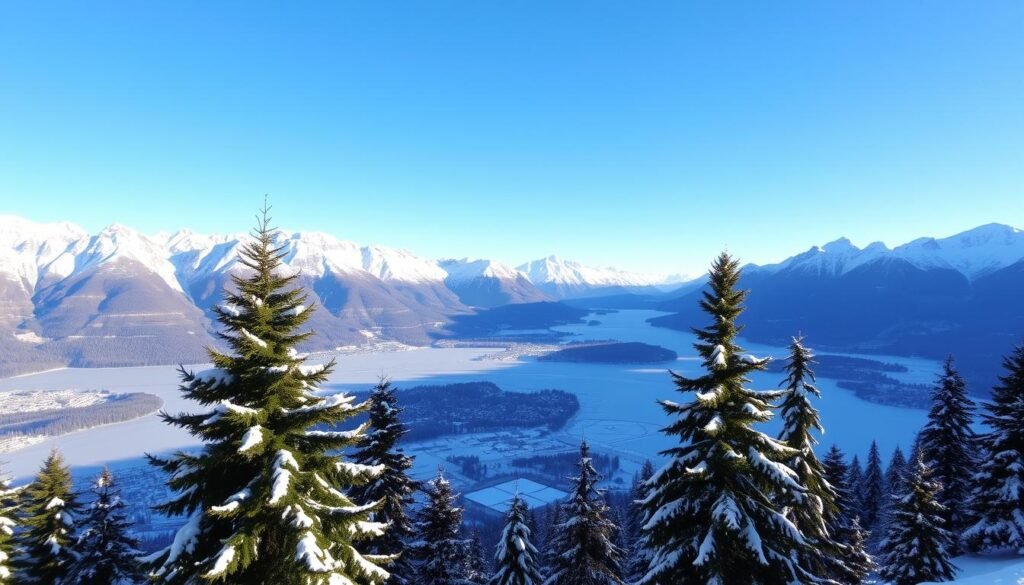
916 547
854 480
476 563
439 549
948 444
265 498
393 488
8 512
843 525
872 490
516 561
799 420
50 509
637 556
998 502
716 513
583 551
895 473
106 553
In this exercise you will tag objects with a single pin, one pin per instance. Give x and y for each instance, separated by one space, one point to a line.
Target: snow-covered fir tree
477 572
716 512
516 560
393 488
854 479
548 553
106 553
800 419
948 444
916 546
265 499
8 521
582 550
637 557
998 502
439 549
843 524
50 508
872 490
895 472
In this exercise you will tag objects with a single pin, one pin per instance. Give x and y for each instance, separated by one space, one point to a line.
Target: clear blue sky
641 134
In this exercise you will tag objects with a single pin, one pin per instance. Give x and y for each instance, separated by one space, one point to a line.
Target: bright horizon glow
608 133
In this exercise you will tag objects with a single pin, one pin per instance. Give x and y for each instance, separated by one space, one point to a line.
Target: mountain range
959 295
120 297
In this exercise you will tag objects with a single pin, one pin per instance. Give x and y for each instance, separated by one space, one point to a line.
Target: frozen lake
619 413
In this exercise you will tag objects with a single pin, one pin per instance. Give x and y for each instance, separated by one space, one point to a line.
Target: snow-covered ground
34 400
619 412
994 570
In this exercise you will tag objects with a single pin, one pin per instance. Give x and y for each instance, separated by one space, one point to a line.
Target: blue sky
647 135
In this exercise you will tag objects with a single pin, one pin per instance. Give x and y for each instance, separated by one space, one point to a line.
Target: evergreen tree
948 446
50 507
8 511
916 546
872 489
476 563
895 473
637 557
854 481
716 513
583 550
393 488
855 564
999 484
516 561
265 499
800 419
106 553
439 549
551 534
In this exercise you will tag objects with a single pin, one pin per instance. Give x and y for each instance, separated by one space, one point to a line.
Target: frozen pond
619 412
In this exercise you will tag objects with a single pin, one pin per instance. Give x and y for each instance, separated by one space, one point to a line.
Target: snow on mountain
973 253
468 269
566 278
486 283
28 250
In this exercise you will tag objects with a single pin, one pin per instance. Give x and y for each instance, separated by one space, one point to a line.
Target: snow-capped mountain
929 297
486 283
563 279
973 253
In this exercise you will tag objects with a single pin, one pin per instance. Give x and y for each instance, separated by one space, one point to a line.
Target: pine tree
800 419
439 549
637 556
265 499
716 513
106 553
894 474
843 525
50 507
916 547
394 488
857 563
948 443
8 511
999 484
583 550
476 563
550 535
516 561
872 489
854 480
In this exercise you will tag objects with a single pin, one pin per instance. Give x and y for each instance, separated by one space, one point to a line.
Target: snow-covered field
619 413
995 570
34 400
